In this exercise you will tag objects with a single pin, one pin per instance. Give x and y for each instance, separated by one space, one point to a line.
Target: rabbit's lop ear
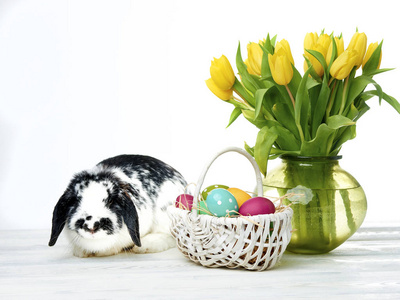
131 219
129 213
60 214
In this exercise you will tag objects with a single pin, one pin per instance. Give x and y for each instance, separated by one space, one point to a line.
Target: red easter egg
184 201
257 206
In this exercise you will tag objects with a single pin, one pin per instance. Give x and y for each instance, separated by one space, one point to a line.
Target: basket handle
207 167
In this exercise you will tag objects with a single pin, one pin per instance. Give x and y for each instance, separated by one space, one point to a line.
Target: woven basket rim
233 220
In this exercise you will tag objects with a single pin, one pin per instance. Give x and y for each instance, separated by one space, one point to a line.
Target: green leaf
358 85
333 56
265 69
235 114
353 112
269 44
321 59
389 99
259 97
313 74
284 116
302 106
338 121
337 97
295 82
248 81
373 62
363 108
285 140
378 71
318 146
267 98
262 149
242 91
318 112
249 149
259 122
348 133
311 83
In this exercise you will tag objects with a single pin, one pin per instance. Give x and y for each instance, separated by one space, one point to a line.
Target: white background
81 81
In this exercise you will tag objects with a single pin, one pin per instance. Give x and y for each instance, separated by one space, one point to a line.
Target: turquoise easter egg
210 188
221 203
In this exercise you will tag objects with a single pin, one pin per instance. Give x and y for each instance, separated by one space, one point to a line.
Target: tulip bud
281 67
343 65
320 44
222 73
324 41
371 48
255 54
319 69
359 43
222 94
249 69
284 45
339 49
310 40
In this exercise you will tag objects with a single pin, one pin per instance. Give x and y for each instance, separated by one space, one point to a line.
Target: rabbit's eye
107 225
79 223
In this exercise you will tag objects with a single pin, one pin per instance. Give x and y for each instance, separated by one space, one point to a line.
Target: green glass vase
329 204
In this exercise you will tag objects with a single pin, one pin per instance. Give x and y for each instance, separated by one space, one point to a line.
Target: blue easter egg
221 203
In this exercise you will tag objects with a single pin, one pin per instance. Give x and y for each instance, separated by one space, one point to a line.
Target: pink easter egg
184 201
257 206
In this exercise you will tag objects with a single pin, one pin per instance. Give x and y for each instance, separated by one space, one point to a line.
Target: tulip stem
328 109
290 95
244 102
344 96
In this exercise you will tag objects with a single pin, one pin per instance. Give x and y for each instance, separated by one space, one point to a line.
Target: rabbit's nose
96 227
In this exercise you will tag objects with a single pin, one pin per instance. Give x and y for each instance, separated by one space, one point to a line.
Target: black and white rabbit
119 205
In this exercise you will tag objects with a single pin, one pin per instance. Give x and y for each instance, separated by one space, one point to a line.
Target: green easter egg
203 210
208 189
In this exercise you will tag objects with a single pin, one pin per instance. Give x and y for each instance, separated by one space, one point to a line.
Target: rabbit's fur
119 205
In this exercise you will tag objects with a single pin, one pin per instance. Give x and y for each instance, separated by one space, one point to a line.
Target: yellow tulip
371 48
255 54
281 67
222 73
324 42
310 40
317 43
359 43
222 94
339 48
315 63
284 45
343 65
249 69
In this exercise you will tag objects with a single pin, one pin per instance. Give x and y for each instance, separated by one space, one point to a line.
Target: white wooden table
367 266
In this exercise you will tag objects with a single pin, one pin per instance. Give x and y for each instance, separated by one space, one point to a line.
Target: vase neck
311 159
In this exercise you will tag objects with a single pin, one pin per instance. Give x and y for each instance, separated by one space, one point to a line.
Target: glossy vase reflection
329 204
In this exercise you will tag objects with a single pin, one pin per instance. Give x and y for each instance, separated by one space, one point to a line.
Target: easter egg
221 203
184 201
257 206
208 189
240 196
203 209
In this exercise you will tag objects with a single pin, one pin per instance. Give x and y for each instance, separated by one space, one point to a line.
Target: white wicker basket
231 242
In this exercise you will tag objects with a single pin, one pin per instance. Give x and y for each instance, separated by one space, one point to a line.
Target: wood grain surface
367 266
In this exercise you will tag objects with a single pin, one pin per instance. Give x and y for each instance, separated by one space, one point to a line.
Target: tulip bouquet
310 115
